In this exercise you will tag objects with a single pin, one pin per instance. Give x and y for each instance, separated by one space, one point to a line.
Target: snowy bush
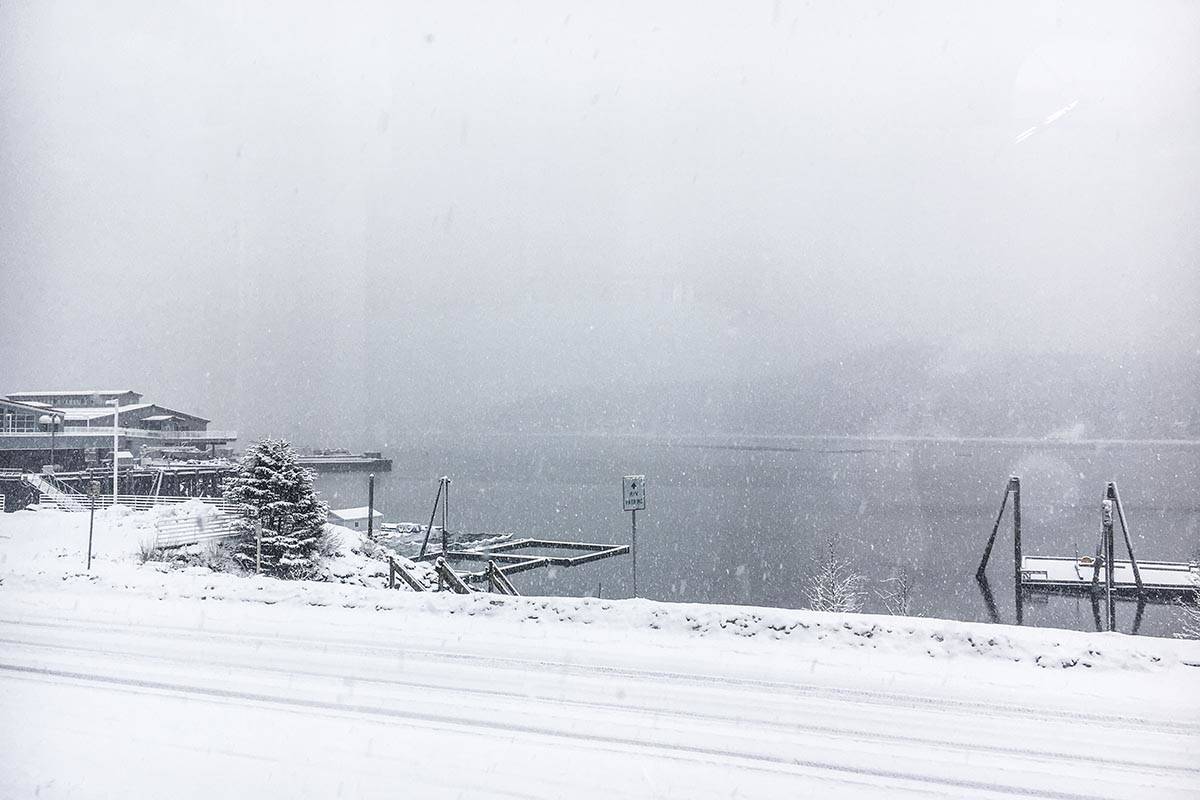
148 550
1190 616
270 483
330 543
897 596
836 586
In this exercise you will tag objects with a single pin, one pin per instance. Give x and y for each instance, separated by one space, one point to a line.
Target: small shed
353 518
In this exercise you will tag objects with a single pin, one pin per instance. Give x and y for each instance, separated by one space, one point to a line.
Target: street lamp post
116 404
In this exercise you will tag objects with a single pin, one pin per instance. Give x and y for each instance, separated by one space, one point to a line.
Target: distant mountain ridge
893 391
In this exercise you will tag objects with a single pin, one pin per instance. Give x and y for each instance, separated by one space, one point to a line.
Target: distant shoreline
764 441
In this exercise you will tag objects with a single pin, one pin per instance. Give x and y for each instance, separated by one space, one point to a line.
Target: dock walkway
1064 574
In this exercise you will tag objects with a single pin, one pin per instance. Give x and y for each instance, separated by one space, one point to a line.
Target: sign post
253 514
633 499
93 490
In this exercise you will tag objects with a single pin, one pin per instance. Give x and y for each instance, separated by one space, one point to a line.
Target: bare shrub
836 586
897 594
148 550
329 544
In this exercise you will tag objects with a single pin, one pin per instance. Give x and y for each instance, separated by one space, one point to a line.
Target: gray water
747 521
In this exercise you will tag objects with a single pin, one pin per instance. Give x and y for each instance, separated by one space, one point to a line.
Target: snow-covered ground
142 680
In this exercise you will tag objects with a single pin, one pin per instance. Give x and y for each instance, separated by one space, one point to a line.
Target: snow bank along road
109 691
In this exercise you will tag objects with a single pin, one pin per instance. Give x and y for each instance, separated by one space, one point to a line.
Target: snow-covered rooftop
74 392
352 513
105 411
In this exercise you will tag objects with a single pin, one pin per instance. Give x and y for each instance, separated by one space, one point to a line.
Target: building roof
106 411
36 407
353 513
158 418
102 411
74 392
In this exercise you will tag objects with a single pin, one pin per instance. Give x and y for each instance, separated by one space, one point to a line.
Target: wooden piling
1109 558
370 506
1015 485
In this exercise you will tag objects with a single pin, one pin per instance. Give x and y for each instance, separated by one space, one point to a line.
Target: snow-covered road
108 694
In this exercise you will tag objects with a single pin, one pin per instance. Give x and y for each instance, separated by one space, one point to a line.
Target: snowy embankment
153 680
49 547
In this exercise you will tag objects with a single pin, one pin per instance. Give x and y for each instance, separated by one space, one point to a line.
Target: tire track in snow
1038 754
864 696
758 761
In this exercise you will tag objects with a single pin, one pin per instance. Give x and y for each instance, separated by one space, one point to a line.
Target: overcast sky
268 212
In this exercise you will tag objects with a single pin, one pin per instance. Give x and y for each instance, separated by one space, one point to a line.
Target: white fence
73 501
143 502
193 530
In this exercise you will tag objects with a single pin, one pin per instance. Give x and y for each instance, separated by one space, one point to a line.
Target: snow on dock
1056 573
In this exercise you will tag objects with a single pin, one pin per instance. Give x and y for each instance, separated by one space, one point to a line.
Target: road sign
634 492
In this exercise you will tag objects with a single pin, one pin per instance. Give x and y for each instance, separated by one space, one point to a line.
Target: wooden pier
498 560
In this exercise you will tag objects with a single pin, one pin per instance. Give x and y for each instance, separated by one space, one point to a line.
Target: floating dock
1074 575
347 463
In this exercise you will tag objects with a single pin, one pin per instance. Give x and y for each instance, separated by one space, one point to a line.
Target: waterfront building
73 429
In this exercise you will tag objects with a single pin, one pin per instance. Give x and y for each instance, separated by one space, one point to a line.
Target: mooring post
987 550
1112 493
986 590
1109 562
444 484
1015 483
432 516
445 516
370 505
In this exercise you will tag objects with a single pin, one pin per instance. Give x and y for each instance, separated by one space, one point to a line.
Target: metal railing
54 495
138 502
144 502
100 433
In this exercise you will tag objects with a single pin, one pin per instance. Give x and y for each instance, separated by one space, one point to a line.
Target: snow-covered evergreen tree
271 482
